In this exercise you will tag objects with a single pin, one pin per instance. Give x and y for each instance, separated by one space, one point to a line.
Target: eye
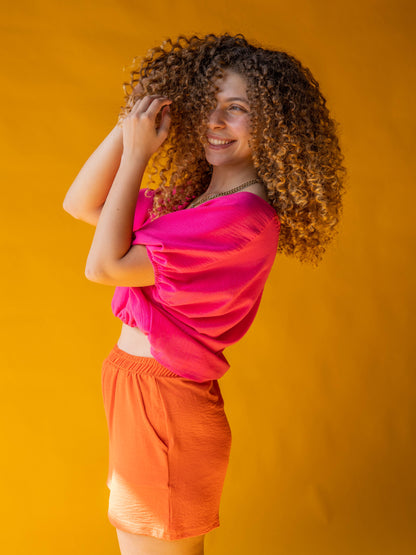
236 107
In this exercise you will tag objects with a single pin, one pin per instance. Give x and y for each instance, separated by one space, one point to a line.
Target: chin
227 159
218 160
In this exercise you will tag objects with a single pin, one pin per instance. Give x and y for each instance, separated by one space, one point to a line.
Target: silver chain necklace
210 196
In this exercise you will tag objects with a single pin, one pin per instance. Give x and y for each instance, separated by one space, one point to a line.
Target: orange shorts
169 445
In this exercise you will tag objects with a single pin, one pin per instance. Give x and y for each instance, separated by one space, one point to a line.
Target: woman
248 164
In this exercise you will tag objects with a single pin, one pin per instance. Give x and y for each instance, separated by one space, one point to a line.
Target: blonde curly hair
294 142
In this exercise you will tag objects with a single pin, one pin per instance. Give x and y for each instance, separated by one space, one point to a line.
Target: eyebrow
233 98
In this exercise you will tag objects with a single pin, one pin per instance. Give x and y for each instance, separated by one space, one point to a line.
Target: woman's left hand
141 136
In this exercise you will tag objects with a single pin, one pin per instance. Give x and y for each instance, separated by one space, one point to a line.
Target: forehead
232 84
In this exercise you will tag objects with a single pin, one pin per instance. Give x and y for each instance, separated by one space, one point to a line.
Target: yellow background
321 391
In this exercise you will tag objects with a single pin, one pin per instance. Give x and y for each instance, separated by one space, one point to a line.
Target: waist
134 342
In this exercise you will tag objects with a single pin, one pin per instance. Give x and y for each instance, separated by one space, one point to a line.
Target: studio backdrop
321 391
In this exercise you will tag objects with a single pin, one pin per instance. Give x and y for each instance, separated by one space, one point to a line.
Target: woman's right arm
87 194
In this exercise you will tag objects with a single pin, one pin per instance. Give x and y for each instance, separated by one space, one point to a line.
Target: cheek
245 129
245 132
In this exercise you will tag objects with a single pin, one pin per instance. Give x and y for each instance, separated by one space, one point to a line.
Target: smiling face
229 125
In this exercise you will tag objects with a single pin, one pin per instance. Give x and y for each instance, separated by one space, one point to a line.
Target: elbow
99 271
90 273
94 272
70 208
76 211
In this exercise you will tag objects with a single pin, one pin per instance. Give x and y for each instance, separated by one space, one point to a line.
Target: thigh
133 544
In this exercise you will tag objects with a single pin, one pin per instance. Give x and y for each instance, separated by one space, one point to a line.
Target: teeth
218 142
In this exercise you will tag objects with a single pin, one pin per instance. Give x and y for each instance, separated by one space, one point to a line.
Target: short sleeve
143 205
206 262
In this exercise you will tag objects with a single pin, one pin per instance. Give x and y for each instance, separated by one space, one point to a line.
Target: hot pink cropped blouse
211 263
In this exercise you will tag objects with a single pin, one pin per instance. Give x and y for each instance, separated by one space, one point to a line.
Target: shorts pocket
156 411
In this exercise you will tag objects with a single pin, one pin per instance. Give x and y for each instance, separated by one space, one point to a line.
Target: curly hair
293 139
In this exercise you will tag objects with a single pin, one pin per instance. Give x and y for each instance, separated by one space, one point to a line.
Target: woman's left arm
112 259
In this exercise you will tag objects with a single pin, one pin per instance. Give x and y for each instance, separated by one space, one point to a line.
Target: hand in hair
146 127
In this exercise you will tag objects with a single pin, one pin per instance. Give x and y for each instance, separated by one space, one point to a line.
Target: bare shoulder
258 190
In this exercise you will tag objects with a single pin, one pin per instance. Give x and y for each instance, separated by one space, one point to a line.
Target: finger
138 89
156 105
143 103
165 121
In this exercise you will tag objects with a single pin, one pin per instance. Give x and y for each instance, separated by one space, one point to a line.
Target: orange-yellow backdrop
321 393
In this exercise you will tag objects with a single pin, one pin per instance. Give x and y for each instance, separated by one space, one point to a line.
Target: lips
219 143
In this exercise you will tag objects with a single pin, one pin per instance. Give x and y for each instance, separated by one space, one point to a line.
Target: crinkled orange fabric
169 445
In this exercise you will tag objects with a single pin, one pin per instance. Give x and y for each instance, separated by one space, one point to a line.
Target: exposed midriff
134 342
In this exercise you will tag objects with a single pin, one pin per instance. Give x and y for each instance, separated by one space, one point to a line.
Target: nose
215 119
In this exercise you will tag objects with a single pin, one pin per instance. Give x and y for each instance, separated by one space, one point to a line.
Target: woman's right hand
141 135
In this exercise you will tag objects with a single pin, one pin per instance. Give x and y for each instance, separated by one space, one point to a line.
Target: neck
223 178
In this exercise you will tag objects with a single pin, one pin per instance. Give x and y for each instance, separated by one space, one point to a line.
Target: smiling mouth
219 142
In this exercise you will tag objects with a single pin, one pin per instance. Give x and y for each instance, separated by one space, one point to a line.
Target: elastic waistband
138 364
